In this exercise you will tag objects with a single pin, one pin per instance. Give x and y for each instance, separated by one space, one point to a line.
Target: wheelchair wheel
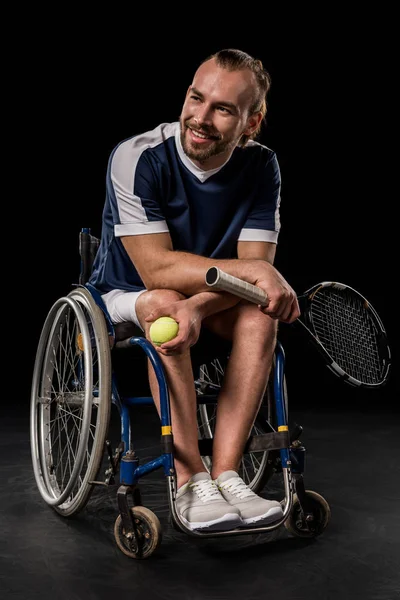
256 468
148 531
70 401
297 525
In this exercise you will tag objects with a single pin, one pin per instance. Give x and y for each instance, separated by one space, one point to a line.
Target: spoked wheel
148 532
256 468
298 525
70 401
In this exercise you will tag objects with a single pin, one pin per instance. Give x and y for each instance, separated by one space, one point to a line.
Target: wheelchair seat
126 330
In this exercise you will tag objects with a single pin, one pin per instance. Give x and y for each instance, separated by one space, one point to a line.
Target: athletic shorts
121 306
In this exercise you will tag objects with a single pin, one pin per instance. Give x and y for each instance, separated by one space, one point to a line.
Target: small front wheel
308 526
148 533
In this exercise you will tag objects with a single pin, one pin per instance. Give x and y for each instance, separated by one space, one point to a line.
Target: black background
329 121
78 81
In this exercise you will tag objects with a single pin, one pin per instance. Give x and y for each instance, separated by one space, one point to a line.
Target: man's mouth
200 135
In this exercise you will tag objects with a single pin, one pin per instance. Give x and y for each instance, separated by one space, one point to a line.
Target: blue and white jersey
153 187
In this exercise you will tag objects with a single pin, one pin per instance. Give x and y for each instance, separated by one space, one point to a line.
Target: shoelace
206 489
237 487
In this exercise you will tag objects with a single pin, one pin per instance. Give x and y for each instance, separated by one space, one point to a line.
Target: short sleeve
133 187
263 222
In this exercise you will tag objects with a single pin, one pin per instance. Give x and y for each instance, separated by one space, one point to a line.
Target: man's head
224 106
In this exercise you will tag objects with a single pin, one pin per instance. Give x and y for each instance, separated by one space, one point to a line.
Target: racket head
348 332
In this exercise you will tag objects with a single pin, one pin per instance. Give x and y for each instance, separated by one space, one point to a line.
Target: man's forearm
185 272
209 303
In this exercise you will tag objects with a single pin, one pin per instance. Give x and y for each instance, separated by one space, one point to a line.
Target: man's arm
160 266
257 251
212 302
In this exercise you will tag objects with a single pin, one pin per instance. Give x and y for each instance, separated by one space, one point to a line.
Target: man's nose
204 116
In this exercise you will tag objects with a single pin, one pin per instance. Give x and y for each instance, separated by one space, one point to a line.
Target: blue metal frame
281 416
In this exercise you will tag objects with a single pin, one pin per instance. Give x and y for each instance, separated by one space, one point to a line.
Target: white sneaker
253 509
201 505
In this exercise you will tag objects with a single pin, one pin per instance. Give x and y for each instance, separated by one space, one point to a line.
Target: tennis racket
343 326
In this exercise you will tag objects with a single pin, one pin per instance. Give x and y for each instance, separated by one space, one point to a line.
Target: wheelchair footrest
275 440
256 443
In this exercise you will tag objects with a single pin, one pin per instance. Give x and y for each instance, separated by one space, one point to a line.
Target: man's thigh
244 315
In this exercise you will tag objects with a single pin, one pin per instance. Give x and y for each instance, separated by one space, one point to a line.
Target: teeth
200 135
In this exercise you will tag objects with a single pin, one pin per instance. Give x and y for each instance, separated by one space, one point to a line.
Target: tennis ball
163 330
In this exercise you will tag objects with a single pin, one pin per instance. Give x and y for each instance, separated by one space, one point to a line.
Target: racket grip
221 281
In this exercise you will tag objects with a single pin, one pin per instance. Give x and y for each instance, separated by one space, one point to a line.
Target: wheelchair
81 362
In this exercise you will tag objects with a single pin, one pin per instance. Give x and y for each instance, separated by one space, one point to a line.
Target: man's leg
253 337
198 500
179 374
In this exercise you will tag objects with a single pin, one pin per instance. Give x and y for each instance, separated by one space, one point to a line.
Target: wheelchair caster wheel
296 522
148 532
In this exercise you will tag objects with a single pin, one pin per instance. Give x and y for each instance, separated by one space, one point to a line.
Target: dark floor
352 460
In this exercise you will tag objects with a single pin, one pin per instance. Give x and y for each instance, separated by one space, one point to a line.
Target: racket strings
345 328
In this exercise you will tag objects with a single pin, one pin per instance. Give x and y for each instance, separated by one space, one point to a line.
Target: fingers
292 313
155 314
284 309
178 345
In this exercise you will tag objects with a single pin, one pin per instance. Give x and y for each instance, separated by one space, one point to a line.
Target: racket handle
221 281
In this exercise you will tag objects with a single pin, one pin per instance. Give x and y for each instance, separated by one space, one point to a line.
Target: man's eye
223 109
194 97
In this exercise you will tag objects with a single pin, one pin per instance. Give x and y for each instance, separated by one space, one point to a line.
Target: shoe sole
230 521
274 514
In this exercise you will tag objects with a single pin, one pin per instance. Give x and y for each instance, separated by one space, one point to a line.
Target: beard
197 152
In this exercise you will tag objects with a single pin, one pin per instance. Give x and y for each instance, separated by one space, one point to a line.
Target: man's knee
244 320
154 299
251 315
159 297
251 321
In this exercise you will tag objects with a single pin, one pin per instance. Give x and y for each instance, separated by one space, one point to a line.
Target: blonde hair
237 60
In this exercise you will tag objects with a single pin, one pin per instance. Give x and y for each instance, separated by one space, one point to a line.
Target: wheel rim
64 403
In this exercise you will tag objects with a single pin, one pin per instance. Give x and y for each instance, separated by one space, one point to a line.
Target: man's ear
253 123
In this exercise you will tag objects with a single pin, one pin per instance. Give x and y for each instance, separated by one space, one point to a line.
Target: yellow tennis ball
163 330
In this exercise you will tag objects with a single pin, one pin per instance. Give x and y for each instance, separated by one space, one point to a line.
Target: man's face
216 114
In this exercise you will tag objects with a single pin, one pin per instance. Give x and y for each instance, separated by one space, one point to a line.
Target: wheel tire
71 392
148 530
295 523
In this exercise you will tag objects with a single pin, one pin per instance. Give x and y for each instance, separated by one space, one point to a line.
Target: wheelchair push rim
70 401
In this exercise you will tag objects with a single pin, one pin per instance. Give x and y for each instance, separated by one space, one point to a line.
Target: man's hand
188 316
283 304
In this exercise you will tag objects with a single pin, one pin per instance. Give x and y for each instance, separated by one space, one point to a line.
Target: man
182 198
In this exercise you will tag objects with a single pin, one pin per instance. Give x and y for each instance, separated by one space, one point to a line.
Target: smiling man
181 198
212 125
